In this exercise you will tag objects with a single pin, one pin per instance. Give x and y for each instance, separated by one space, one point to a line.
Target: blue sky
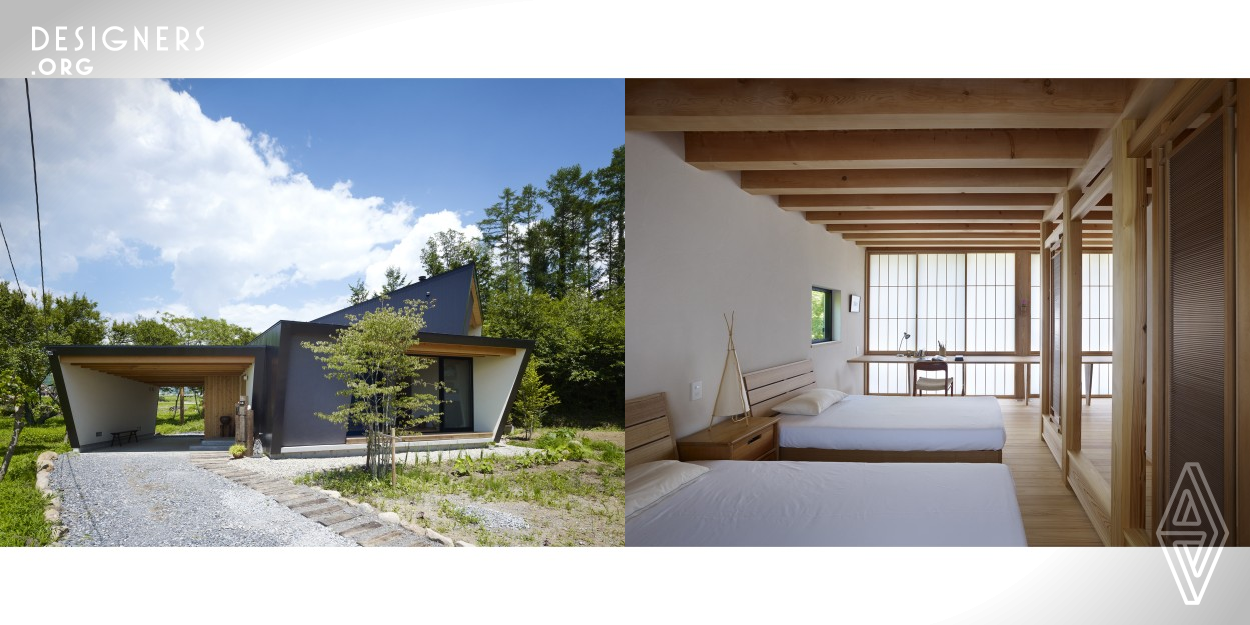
259 200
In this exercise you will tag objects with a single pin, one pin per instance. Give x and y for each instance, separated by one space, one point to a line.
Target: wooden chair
945 383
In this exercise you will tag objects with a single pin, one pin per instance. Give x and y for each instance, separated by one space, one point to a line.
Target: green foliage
465 465
580 346
21 504
395 280
564 443
360 293
368 357
26 330
450 249
142 331
238 451
206 331
533 399
818 315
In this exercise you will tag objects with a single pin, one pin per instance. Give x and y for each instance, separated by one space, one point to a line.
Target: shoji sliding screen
892 313
963 301
1096 322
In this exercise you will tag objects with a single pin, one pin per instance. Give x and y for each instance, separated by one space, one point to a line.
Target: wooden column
1241 347
1157 328
1128 385
1024 277
1071 321
1047 328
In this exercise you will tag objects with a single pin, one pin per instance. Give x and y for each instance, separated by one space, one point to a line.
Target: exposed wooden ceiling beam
953 245
917 201
888 149
1146 94
923 216
1094 193
860 181
863 104
1030 228
940 227
938 236
1186 100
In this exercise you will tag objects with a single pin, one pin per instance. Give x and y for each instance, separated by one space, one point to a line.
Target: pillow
650 481
811 403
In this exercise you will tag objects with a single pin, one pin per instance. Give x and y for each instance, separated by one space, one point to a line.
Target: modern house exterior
107 388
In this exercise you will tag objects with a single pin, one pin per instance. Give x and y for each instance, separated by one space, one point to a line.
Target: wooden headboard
768 387
648 434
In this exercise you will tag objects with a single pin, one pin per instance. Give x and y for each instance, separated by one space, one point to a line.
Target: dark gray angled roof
451 292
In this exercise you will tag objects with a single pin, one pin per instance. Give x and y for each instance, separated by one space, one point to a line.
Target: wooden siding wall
221 394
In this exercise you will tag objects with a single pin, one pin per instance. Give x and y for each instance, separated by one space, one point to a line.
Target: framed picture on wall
854 303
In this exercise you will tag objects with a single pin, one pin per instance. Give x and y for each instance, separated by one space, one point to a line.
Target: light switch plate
696 390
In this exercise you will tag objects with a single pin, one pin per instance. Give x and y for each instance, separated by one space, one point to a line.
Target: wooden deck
1052 515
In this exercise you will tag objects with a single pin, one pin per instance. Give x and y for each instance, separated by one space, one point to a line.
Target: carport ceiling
164 370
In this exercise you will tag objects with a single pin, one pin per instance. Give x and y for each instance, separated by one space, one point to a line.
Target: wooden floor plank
1052 515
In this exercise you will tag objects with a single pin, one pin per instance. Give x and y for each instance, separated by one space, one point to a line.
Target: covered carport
107 389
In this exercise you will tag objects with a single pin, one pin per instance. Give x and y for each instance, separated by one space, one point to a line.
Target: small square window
826 314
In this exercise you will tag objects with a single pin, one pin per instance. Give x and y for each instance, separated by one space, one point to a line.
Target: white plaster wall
493 377
251 378
108 403
700 246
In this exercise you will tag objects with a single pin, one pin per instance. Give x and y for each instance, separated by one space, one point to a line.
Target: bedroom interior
1078 251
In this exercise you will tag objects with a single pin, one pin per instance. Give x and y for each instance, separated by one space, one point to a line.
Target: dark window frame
831 332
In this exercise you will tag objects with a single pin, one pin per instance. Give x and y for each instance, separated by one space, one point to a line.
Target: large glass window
455 403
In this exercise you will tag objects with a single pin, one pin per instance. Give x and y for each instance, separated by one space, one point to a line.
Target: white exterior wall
700 246
107 403
493 377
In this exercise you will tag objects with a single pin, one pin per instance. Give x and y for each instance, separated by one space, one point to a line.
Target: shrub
237 451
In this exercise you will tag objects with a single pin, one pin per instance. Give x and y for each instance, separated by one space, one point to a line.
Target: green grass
167 420
21 504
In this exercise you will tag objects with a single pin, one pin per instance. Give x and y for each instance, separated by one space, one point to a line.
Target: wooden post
1157 324
1070 315
1128 386
1047 329
182 415
392 457
1024 276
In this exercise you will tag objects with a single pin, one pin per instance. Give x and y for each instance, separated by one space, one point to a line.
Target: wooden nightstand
755 439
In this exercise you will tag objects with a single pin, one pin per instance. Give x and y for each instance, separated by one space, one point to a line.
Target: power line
10 253
38 218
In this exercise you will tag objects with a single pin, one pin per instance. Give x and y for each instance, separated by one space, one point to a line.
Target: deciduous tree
369 358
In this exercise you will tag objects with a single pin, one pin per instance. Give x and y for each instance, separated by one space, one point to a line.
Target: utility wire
38 218
10 253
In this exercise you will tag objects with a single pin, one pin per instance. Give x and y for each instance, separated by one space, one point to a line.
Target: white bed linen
835 504
889 423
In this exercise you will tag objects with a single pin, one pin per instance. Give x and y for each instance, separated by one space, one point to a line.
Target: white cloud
126 166
407 253
259 317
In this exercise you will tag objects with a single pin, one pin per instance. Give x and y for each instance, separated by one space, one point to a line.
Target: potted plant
237 451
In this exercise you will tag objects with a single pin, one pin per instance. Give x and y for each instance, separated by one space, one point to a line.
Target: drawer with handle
755 446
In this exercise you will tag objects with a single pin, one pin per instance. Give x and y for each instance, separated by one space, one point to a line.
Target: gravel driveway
145 499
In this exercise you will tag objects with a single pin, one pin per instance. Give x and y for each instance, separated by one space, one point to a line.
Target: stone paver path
349 521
